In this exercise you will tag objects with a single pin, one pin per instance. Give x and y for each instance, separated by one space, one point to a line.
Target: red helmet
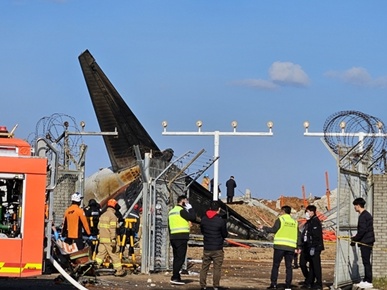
112 203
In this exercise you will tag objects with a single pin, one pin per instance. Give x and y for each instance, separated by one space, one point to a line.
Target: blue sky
217 61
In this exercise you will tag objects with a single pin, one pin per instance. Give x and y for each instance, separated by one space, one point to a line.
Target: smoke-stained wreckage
122 179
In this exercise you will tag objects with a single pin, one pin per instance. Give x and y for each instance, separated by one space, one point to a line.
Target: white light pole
216 135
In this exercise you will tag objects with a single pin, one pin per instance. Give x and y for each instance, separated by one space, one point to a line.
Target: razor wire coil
344 129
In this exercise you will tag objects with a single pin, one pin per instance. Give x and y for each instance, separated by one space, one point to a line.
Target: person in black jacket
286 241
313 244
230 185
214 231
365 238
93 212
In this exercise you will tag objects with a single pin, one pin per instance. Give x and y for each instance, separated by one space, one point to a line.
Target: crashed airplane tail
112 112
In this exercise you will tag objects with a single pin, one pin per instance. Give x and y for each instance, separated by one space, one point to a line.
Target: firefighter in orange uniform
74 219
108 223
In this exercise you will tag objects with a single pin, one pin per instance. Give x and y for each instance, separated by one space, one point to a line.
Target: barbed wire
351 124
52 127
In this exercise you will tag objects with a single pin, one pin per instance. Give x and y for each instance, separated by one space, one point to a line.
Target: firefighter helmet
112 203
76 197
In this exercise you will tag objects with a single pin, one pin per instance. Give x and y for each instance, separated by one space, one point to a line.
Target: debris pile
265 212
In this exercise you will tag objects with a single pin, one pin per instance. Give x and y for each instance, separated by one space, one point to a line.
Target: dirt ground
243 268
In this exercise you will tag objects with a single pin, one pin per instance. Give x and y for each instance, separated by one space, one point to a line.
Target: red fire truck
23 183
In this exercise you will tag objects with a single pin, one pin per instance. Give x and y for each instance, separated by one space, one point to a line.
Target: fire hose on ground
66 275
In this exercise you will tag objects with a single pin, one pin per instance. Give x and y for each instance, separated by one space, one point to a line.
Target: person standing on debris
206 181
285 231
74 220
179 219
313 244
214 230
365 239
230 185
107 227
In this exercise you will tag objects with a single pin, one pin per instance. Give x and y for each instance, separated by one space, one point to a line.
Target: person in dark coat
230 185
93 212
313 244
214 231
365 239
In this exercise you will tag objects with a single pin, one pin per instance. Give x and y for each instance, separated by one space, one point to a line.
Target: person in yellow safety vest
286 242
179 219
107 226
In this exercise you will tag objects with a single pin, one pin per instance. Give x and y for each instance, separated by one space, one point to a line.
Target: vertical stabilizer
112 112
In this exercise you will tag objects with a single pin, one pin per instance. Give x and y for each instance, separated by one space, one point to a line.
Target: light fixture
83 124
342 125
270 124
164 124
234 124
199 124
379 125
306 124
